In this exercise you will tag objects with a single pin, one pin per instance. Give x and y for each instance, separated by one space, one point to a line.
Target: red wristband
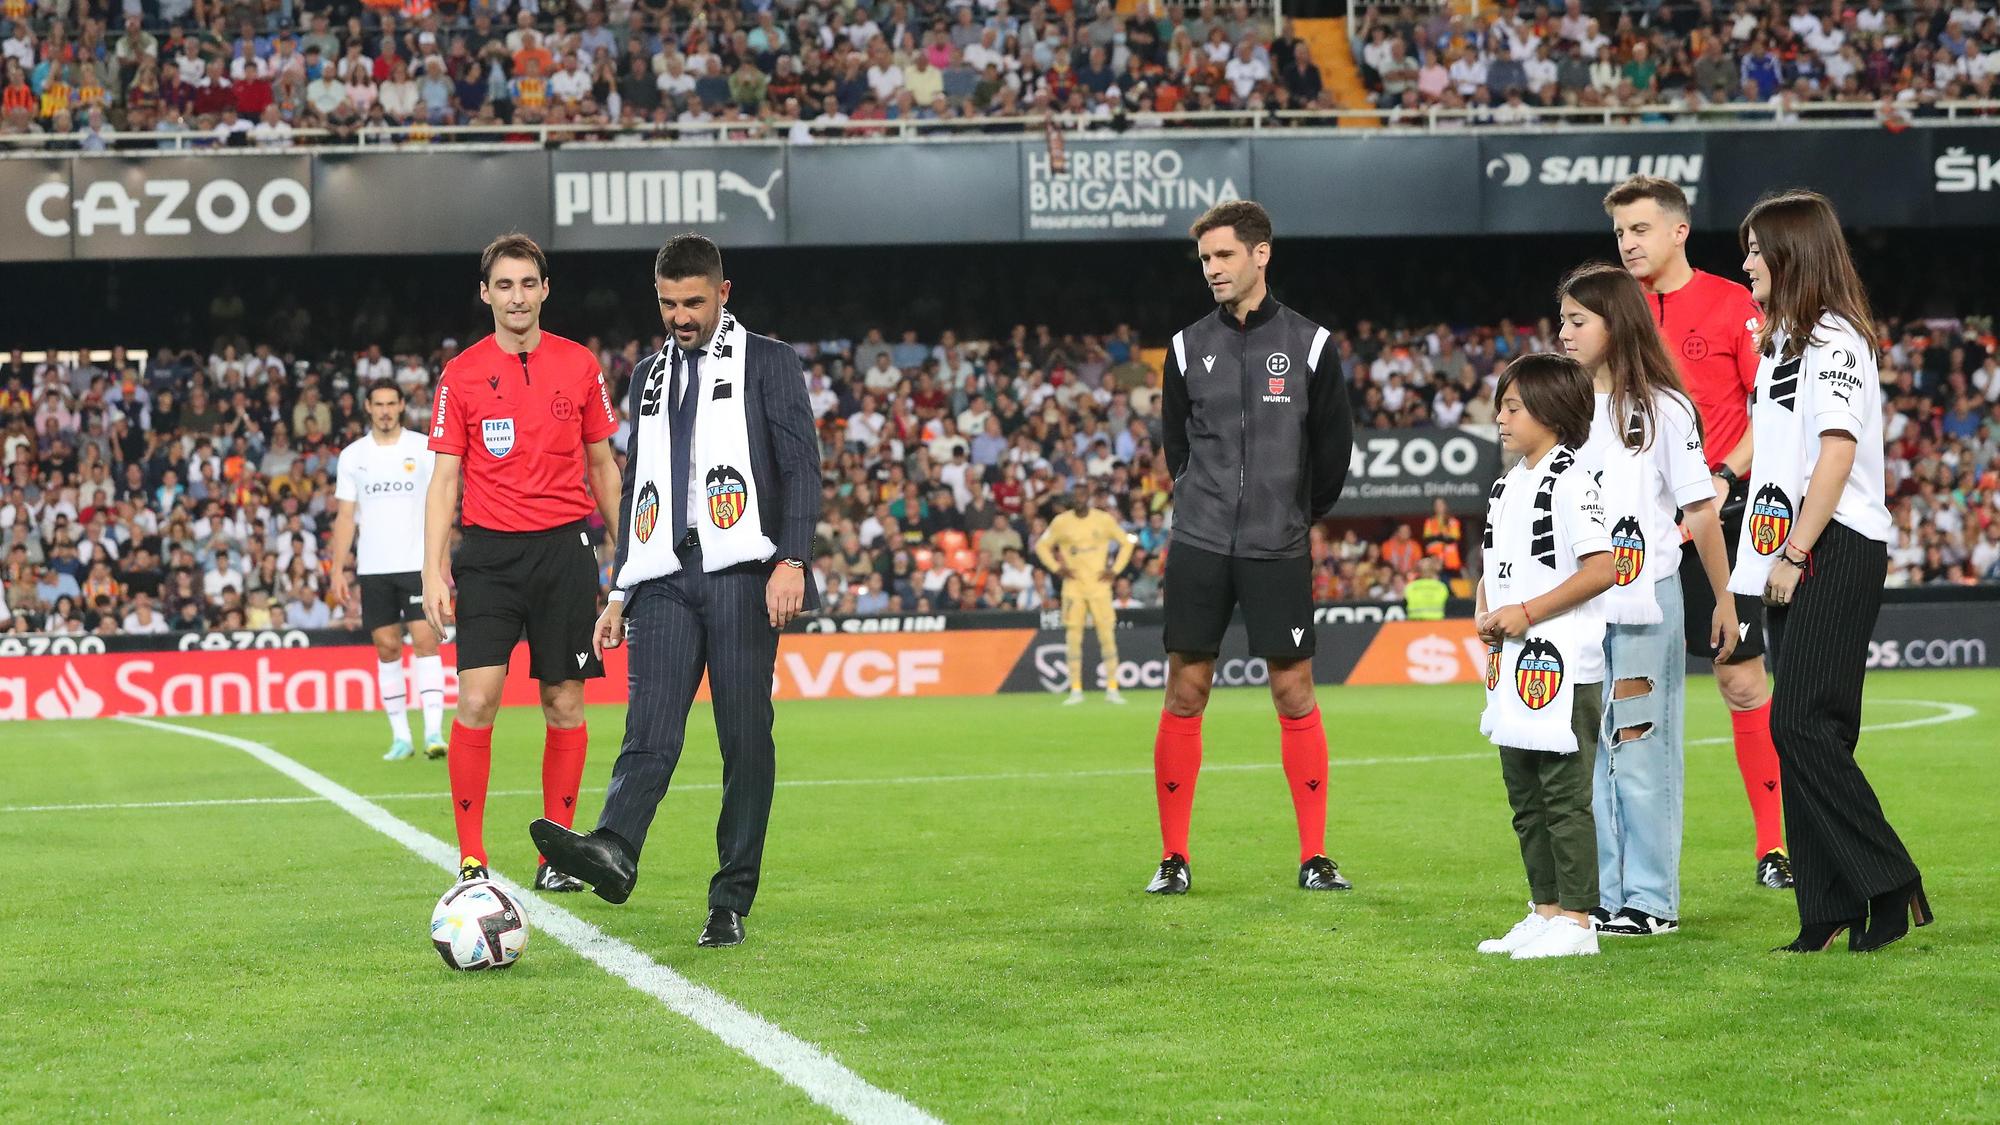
1526 614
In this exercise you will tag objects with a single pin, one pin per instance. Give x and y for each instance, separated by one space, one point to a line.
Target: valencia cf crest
1628 551
728 496
1538 674
1770 519
1492 668
646 512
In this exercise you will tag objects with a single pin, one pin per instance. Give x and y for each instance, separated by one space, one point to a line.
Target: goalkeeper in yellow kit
1077 547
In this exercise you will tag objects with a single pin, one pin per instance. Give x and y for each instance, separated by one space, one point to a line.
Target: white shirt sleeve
1837 372
1580 513
1678 453
345 486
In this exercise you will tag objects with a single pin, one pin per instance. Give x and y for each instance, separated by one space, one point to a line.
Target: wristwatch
1728 474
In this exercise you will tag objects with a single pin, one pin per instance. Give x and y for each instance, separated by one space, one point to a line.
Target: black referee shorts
391 599
537 584
1699 603
1202 589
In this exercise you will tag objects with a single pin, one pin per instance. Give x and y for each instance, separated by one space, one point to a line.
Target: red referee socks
562 772
1176 763
1302 742
1757 760
470 762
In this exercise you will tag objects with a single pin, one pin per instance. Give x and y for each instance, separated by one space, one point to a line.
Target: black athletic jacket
1258 434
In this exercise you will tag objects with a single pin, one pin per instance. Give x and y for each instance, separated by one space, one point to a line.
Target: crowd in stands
1893 62
168 72
195 491
204 72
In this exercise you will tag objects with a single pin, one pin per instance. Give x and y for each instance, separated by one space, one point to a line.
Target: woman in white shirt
1816 545
399 95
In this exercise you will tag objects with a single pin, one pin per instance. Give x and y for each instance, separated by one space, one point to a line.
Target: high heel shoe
1890 916
1818 937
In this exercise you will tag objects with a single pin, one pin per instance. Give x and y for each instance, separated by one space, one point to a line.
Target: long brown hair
1811 272
1640 367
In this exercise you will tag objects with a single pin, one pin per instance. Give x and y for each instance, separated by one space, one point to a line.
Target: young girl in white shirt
1645 445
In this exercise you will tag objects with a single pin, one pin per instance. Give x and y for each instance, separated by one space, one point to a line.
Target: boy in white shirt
1547 559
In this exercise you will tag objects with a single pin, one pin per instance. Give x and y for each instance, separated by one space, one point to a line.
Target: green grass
979 947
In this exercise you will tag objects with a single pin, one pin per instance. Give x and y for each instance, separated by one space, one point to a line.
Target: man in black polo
1258 438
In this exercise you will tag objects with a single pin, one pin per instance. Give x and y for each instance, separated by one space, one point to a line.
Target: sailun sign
1546 183
1136 189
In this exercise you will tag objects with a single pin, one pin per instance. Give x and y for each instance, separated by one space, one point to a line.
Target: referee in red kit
522 428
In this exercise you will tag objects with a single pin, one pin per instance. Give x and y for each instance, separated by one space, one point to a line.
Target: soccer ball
479 926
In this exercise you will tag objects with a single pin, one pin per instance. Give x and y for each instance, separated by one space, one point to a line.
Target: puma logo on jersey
1208 363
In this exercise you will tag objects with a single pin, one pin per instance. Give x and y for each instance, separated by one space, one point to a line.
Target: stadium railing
1638 118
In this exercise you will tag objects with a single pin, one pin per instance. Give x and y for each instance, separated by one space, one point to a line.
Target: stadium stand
201 73
187 491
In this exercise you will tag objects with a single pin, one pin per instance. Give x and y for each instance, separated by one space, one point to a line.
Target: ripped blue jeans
1640 781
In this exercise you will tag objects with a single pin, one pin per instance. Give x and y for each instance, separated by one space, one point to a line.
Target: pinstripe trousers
1843 849
679 626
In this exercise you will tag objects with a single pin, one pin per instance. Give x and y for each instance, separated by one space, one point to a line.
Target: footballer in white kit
380 487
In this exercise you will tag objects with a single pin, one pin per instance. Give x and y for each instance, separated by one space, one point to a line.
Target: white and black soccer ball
477 926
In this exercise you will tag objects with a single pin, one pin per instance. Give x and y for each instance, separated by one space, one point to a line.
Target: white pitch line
1948 713
810 1069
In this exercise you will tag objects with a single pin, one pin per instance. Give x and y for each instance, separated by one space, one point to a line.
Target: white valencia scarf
1628 484
732 532
1529 691
1777 468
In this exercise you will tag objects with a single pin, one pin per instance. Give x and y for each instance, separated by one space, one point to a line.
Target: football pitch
951 909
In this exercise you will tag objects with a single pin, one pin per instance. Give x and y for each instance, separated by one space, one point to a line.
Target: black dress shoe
600 858
1890 916
1818 937
725 927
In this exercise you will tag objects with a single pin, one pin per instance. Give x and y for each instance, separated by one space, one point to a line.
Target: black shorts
1202 589
537 584
391 599
1700 603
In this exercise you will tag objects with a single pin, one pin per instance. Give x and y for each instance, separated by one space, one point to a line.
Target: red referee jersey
1710 328
521 421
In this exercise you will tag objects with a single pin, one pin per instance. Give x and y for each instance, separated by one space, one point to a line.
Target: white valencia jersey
387 484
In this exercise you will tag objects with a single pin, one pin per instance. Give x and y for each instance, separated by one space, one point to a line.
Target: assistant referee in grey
722 487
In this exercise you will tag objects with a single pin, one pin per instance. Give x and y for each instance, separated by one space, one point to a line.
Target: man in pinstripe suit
722 621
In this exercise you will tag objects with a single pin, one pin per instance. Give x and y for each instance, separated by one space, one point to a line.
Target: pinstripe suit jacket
784 450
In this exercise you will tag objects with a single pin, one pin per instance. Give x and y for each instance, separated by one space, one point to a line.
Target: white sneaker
1524 931
1075 697
1562 937
1111 696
